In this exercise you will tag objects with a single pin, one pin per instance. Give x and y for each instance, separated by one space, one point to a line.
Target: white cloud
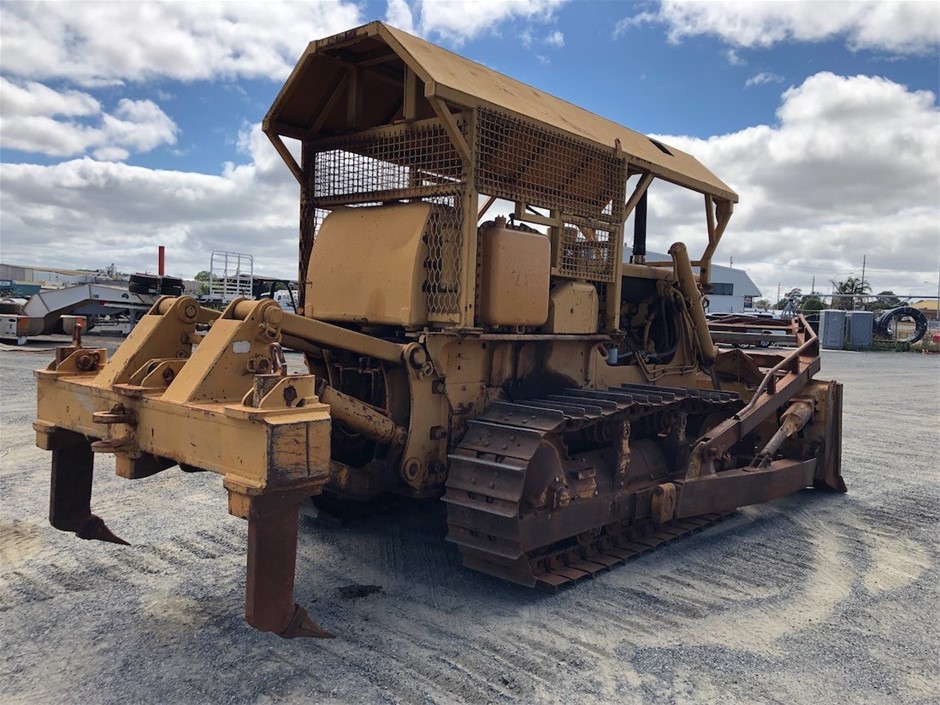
398 14
734 58
31 99
83 208
762 78
636 20
99 43
900 27
36 118
139 124
104 43
111 154
852 169
459 20
555 39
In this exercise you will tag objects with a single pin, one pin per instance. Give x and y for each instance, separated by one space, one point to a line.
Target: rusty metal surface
831 470
510 526
781 382
70 494
272 553
754 331
505 520
738 488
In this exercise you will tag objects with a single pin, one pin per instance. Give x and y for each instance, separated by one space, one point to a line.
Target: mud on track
817 598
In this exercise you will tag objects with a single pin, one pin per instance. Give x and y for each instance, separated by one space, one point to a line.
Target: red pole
161 258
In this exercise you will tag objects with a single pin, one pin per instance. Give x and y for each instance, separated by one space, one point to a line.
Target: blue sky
130 125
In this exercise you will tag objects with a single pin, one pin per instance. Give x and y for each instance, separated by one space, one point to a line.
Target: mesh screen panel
391 163
586 253
402 163
442 289
515 159
521 161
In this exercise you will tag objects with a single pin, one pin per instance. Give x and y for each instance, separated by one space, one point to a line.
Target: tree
850 293
884 300
203 278
788 304
811 302
762 304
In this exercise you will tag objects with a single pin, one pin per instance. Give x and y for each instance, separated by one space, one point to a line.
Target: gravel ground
816 598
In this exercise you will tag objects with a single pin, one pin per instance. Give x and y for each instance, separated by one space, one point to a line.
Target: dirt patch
19 540
355 592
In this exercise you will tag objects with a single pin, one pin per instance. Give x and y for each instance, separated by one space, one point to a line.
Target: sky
128 125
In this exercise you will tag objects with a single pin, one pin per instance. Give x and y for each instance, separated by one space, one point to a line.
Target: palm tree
850 293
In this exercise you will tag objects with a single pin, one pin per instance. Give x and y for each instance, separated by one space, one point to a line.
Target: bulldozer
474 330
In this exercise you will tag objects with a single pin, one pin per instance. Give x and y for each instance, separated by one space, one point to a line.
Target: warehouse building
732 289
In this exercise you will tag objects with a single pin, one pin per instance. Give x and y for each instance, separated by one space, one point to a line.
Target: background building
732 289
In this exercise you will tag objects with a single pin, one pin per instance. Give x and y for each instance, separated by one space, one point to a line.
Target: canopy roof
316 100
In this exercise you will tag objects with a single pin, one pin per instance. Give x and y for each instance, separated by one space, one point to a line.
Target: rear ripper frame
227 407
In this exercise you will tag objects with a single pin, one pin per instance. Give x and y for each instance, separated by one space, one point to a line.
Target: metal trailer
57 310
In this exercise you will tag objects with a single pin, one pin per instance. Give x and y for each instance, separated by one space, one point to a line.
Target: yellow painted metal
206 410
463 83
258 447
514 272
385 116
166 331
415 319
349 280
363 418
573 308
686 279
300 331
222 364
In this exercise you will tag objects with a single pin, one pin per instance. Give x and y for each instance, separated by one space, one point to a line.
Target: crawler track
487 511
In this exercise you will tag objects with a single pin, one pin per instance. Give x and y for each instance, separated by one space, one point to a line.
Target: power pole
812 289
778 291
855 300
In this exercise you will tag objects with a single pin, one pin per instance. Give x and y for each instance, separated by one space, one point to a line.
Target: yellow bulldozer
473 330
